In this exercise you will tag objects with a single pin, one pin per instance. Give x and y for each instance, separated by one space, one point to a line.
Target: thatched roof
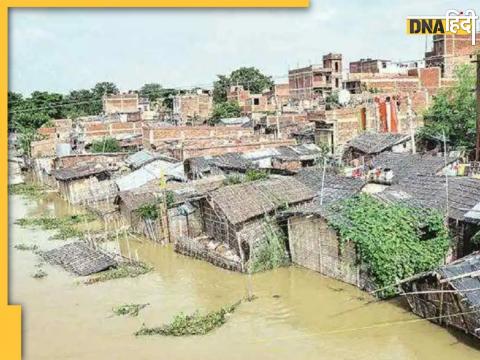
431 192
79 259
374 143
69 174
405 165
242 202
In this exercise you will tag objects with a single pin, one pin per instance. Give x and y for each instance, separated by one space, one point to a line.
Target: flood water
298 314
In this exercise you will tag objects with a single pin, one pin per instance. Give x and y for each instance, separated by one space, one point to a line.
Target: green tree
453 111
249 77
151 91
81 103
226 109
104 88
107 145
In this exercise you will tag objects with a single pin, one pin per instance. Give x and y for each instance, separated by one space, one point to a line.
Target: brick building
255 103
155 136
448 51
382 66
120 104
193 108
316 80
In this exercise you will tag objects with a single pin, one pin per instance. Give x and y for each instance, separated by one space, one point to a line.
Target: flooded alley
298 314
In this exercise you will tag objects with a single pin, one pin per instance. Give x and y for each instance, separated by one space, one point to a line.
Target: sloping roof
335 188
250 159
463 275
430 192
149 172
299 152
405 165
139 158
242 202
374 143
466 265
312 177
182 192
79 258
68 174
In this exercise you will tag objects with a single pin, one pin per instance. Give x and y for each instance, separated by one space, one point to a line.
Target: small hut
313 243
448 296
84 183
369 144
236 216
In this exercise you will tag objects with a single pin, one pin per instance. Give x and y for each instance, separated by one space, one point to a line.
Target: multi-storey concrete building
316 80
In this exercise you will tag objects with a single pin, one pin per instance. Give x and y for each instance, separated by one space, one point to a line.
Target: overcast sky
65 49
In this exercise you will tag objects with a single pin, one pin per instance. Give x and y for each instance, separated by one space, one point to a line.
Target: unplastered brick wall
43 148
94 130
430 77
106 160
191 106
156 136
121 103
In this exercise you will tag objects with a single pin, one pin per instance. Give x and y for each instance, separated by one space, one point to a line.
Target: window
256 101
384 65
336 66
336 82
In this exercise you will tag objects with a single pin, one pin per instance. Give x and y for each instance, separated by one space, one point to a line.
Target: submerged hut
449 295
237 217
313 243
84 183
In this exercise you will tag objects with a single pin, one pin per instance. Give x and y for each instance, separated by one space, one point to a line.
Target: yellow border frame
10 315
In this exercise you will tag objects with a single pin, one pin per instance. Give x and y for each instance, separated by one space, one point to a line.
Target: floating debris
39 274
64 225
79 259
128 309
194 324
26 247
30 191
122 270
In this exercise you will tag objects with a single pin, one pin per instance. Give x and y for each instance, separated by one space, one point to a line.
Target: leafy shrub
272 253
253 175
390 238
107 145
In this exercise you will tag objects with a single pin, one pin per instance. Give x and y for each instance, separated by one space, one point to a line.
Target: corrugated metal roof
139 158
150 172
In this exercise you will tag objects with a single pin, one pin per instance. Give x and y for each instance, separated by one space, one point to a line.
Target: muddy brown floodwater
298 314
